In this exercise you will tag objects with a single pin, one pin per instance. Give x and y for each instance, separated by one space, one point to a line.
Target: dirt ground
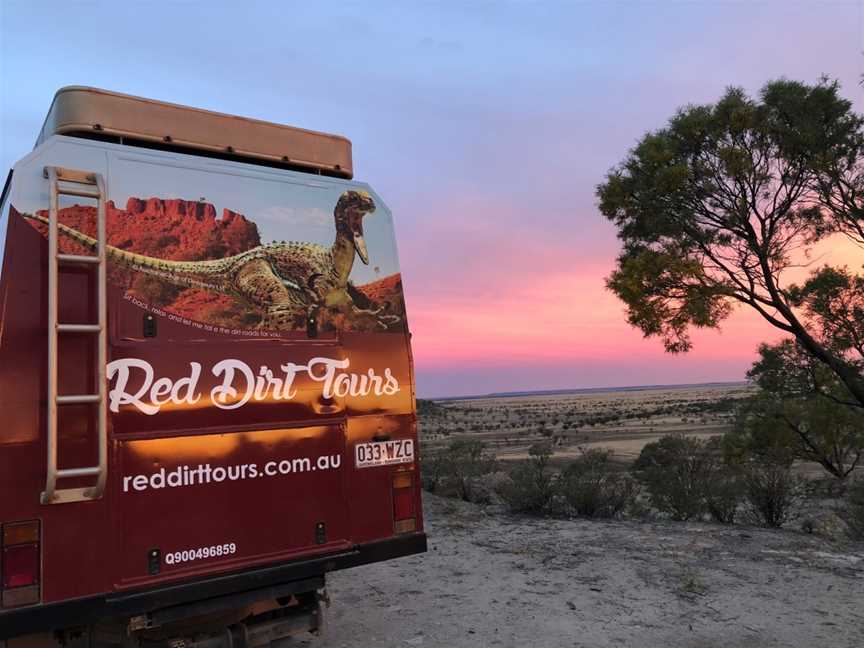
492 579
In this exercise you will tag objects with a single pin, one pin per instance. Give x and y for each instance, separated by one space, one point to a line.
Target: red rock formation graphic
186 230
179 230
387 290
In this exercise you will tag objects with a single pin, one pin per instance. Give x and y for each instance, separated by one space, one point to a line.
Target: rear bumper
85 611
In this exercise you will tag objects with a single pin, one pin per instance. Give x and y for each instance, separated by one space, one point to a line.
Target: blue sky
485 127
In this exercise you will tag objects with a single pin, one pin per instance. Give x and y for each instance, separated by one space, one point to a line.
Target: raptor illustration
288 281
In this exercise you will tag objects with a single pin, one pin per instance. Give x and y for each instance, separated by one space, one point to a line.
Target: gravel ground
491 579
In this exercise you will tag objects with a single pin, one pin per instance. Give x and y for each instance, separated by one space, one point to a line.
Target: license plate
384 453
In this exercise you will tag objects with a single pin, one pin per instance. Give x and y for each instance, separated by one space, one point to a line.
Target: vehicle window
229 251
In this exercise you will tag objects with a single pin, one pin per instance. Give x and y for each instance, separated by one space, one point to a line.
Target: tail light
404 514
20 553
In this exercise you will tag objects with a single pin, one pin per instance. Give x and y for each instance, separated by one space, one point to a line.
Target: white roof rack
100 114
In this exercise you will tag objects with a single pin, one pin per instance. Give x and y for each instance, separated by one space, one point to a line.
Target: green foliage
787 370
803 411
591 487
687 478
723 491
531 486
433 470
681 295
771 492
712 208
458 466
468 458
673 469
539 454
754 436
429 408
852 511
660 453
833 302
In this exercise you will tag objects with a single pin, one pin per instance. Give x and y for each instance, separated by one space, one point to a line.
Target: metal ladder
68 182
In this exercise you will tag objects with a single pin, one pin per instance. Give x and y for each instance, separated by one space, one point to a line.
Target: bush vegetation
771 491
684 478
591 487
429 409
723 492
675 470
457 468
531 485
801 412
852 511
689 478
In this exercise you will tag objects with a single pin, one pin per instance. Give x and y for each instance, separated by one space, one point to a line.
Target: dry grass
621 421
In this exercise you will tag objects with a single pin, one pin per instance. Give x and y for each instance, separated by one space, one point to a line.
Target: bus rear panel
205 374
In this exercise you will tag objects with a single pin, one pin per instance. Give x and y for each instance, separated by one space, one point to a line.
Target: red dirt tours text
239 383
205 474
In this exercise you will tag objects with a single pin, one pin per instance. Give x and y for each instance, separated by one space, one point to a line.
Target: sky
485 127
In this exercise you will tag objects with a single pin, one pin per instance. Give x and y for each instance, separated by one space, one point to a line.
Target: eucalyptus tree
716 208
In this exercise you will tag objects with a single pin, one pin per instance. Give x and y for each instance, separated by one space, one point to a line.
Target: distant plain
621 420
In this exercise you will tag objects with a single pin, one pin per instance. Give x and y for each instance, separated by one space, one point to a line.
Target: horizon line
585 390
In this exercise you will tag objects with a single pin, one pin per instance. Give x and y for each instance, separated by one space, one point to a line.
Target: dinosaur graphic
289 281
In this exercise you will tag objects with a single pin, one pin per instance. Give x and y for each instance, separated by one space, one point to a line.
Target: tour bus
206 379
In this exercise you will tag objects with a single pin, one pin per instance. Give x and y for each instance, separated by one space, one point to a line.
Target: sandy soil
501 580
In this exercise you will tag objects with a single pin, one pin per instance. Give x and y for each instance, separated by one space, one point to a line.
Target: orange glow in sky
567 318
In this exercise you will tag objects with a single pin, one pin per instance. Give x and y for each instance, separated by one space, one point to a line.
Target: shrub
433 469
723 492
458 466
430 409
467 459
688 477
674 469
852 511
530 488
591 487
771 491
485 487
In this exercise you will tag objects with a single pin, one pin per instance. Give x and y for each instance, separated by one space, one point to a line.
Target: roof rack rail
134 121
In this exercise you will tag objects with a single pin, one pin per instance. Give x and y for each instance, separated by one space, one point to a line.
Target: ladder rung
79 398
77 472
75 191
79 328
72 175
78 258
